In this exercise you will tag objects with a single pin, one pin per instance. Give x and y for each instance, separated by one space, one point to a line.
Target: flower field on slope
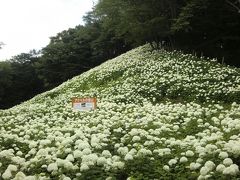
160 115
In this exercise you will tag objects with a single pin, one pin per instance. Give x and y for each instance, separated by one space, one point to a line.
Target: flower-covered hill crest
160 115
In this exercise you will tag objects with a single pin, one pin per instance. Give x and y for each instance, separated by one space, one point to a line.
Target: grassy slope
156 110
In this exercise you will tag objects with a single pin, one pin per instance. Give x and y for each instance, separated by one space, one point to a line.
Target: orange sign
84 104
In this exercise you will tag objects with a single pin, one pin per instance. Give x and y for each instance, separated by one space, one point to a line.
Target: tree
77 50
139 21
205 26
5 82
209 27
68 54
234 4
18 79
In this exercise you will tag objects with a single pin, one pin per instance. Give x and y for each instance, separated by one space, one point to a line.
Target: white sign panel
84 104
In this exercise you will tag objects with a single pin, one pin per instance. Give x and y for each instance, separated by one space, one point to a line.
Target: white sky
28 24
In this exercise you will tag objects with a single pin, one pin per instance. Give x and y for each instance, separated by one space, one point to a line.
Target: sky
28 24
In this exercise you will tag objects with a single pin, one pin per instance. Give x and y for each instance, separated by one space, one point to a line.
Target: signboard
84 104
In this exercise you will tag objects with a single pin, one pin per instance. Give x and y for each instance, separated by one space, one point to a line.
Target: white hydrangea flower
210 165
227 161
118 164
122 150
101 161
183 160
42 152
106 154
193 166
236 167
77 154
201 177
83 145
220 168
144 152
30 178
84 167
172 162
231 170
68 165
70 158
19 153
199 160
223 155
90 159
189 153
18 160
208 176
20 176
68 150
166 168
175 127
136 138
134 132
33 144
7 174
12 168
44 166
204 171
78 174
66 178
133 152
95 141
60 162
86 151
52 167
128 157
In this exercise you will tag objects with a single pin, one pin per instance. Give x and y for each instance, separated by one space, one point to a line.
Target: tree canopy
18 79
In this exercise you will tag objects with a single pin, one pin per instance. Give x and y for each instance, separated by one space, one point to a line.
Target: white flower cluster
149 119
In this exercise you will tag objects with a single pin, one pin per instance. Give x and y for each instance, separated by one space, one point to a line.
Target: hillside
160 115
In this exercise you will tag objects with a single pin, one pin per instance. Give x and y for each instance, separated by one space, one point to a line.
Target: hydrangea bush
160 115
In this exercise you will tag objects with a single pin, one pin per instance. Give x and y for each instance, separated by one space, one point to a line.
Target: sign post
84 104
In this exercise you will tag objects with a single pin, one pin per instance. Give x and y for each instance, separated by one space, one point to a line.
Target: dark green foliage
18 79
210 28
67 55
75 51
205 27
5 79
